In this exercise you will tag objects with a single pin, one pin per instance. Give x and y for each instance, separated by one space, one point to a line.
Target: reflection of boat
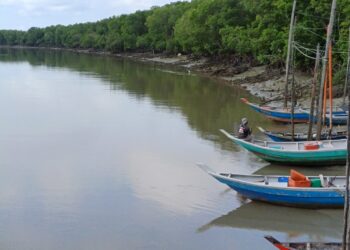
293 221
304 245
279 114
287 136
328 152
275 189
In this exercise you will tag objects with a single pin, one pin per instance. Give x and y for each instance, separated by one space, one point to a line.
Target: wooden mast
346 232
330 91
293 101
347 73
313 93
324 67
289 53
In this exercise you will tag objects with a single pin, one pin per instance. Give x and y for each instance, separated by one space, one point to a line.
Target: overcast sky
23 14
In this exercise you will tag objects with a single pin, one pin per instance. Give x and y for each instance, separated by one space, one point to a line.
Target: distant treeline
253 29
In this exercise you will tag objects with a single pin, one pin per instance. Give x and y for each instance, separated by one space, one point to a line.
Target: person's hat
244 120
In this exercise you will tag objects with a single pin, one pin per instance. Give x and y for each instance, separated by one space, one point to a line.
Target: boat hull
294 157
286 196
300 116
294 198
279 115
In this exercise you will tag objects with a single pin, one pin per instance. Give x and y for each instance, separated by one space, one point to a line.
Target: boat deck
300 146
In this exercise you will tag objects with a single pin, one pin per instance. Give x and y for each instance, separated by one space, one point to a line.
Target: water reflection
207 107
294 222
99 151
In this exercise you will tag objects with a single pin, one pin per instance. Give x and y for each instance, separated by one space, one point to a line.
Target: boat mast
324 67
347 73
330 92
293 101
289 53
346 232
313 93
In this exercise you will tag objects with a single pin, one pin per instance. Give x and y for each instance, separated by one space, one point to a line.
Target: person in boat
244 131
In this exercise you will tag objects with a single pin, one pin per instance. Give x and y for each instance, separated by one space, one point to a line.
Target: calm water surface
100 153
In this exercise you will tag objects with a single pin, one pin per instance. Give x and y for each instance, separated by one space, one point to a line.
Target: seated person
244 131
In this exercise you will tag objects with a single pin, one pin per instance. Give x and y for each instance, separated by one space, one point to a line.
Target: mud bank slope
266 83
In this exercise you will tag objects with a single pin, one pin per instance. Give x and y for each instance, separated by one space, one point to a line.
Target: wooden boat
279 114
339 116
287 136
303 245
327 152
274 189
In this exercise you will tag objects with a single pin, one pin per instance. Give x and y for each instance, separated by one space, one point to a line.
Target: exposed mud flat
264 82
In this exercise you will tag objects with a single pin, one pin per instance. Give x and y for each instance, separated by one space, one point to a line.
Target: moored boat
279 114
287 136
339 117
275 189
327 152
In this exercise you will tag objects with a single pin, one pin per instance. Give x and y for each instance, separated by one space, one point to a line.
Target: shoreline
264 82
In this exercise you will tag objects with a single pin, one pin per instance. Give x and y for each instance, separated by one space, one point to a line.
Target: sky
24 14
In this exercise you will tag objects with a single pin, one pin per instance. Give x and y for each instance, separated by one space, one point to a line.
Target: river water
100 153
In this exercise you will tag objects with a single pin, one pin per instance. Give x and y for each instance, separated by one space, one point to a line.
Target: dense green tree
161 24
257 29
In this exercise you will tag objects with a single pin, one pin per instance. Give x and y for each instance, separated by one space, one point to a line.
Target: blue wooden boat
279 114
274 189
329 152
287 136
339 117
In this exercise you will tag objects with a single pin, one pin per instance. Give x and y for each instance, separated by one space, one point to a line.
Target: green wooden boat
328 152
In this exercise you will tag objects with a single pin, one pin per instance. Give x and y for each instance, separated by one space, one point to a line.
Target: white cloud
16 14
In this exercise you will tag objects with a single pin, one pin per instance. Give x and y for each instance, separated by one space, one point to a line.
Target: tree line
255 29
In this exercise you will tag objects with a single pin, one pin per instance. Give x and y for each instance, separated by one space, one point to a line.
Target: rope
314 33
310 57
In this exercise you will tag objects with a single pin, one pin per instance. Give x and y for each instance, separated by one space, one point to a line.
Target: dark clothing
244 131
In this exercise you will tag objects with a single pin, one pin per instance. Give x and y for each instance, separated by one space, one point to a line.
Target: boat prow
205 168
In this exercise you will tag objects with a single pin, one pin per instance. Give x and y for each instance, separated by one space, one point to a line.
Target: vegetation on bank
251 30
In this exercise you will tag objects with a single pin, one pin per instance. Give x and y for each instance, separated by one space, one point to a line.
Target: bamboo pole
346 232
325 59
347 73
293 101
324 110
330 86
291 28
313 93
293 92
